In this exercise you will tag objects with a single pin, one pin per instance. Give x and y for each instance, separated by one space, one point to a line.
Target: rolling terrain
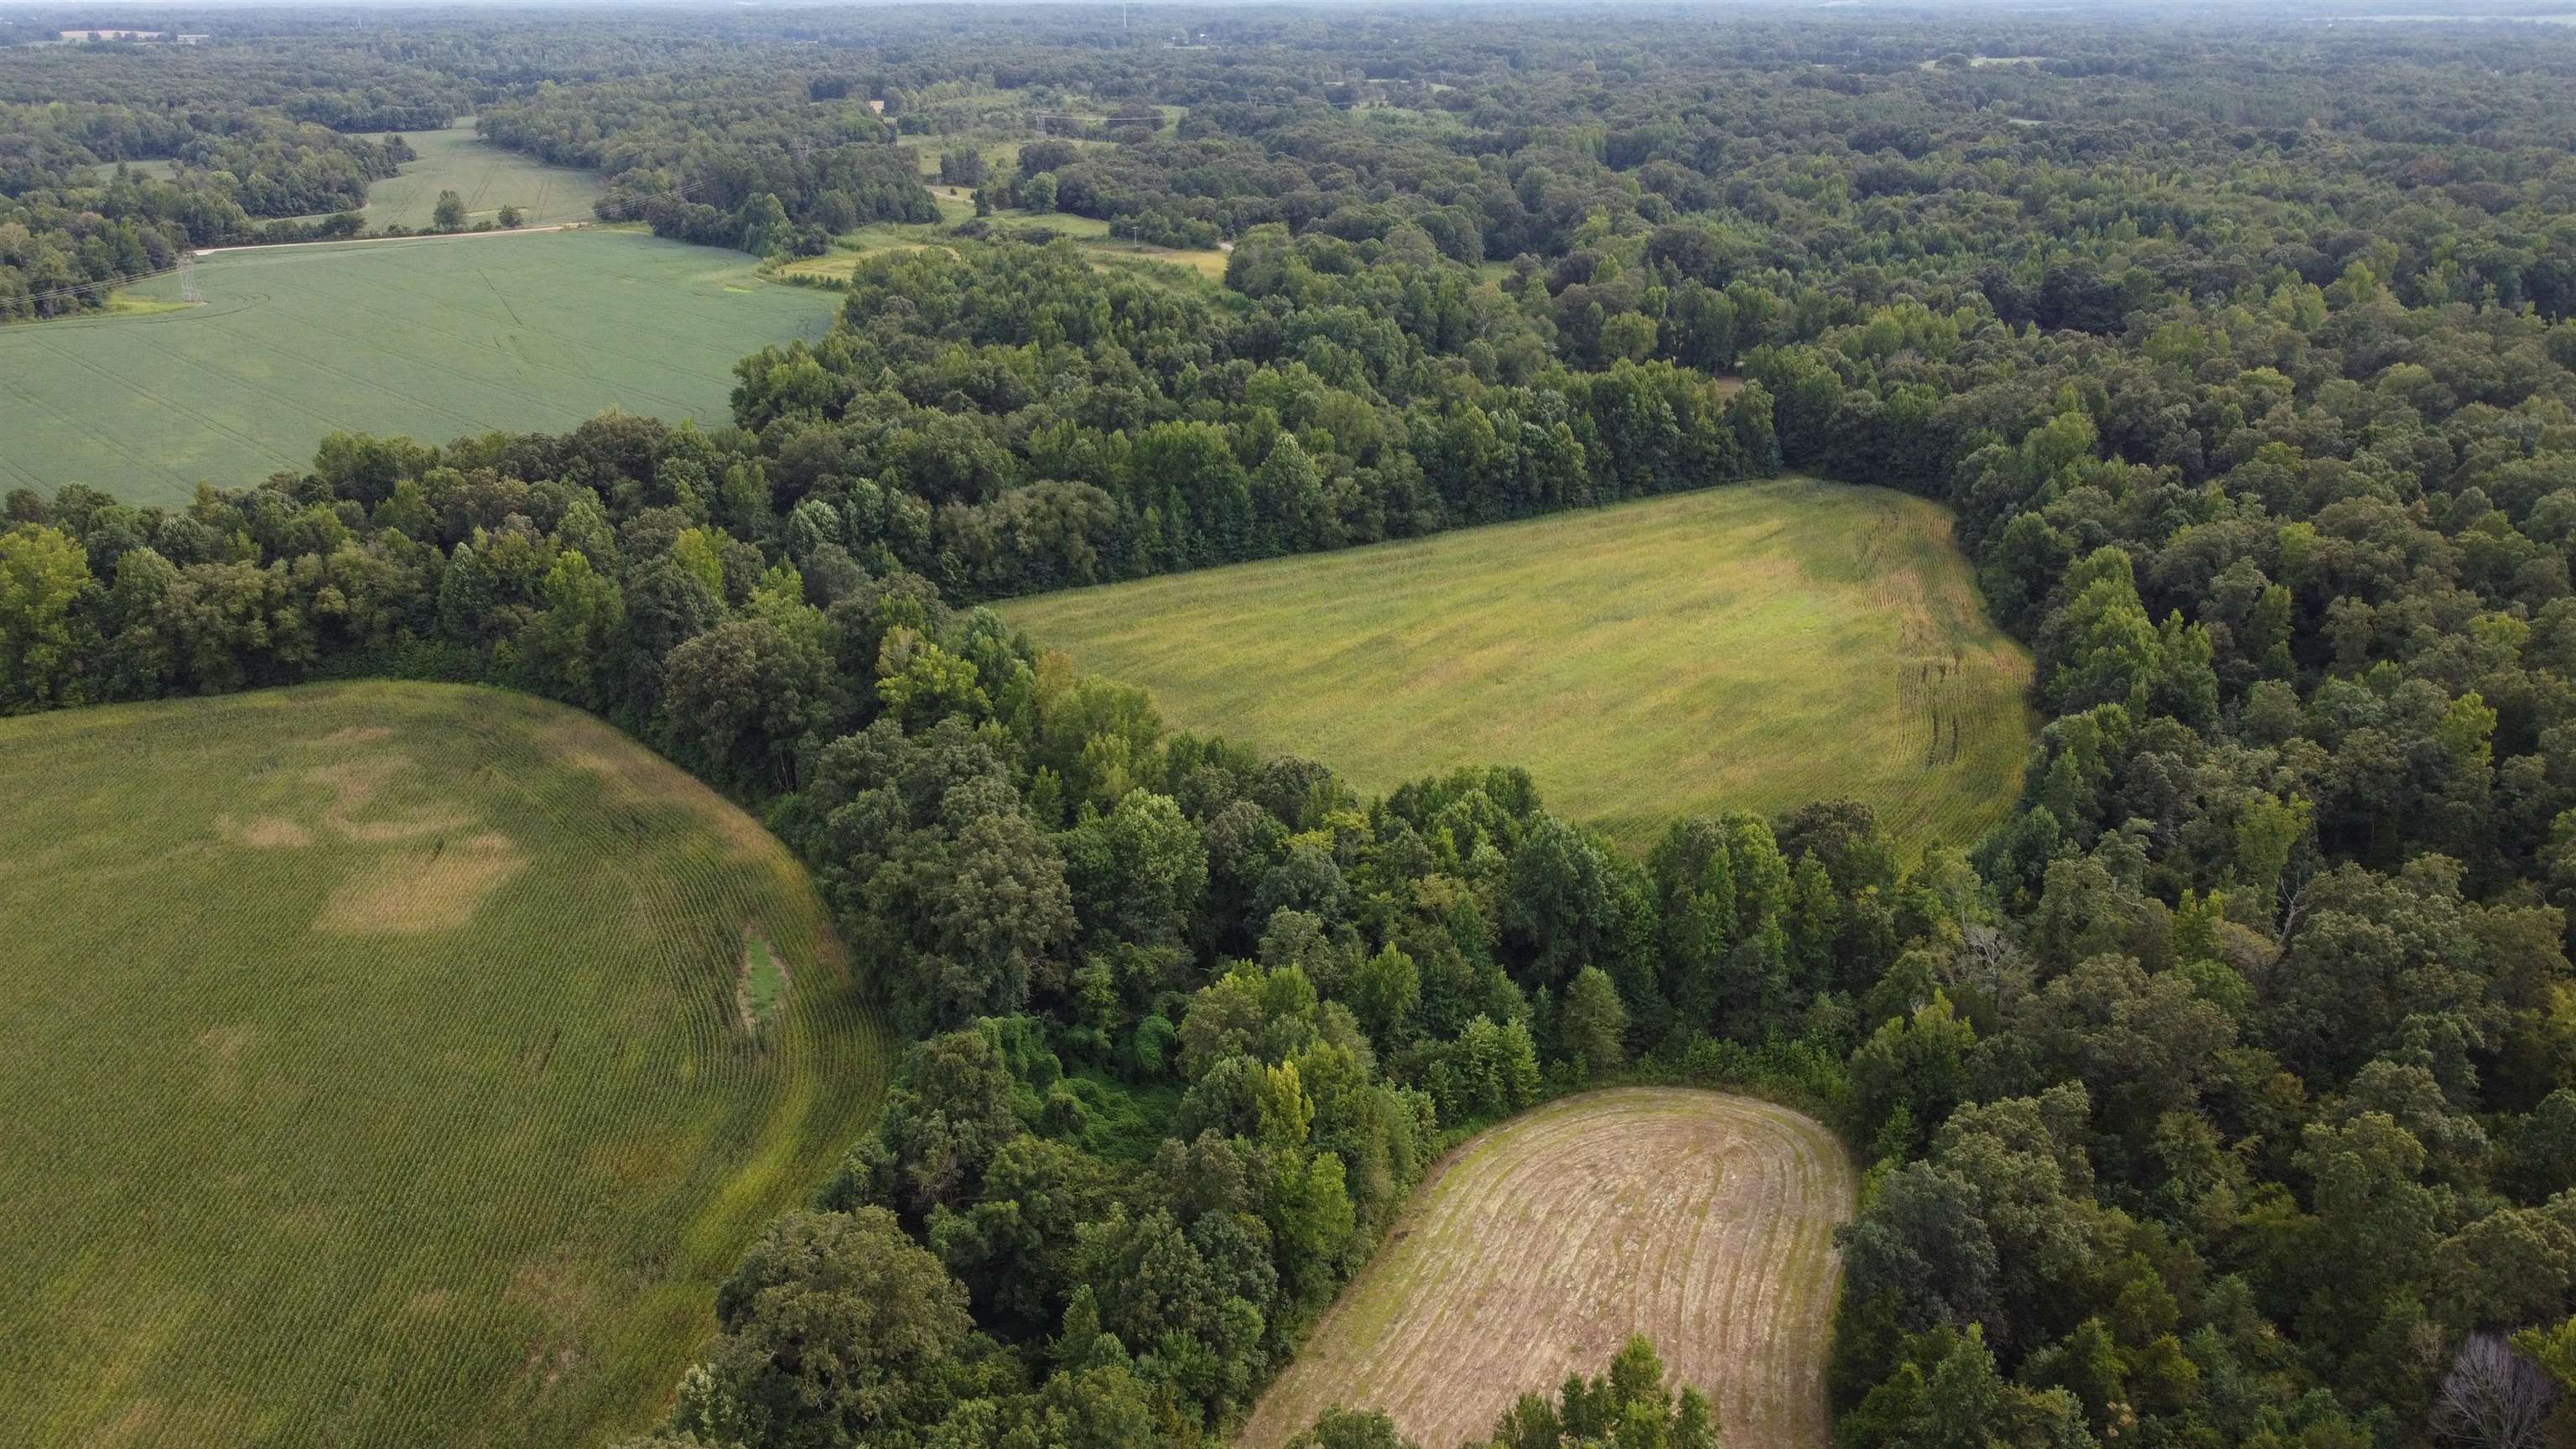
390 1065
1704 1221
435 338
1749 647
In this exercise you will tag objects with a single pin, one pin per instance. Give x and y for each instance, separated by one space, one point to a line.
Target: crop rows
389 1087
1702 1221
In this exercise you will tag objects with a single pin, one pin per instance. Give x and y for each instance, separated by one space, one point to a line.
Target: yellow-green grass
435 338
375 1071
486 177
1207 262
155 168
957 204
1752 647
1000 157
1701 1220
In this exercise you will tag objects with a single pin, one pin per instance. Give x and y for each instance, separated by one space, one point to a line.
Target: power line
111 283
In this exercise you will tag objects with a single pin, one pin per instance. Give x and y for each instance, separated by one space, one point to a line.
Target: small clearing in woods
1701 1220
1754 647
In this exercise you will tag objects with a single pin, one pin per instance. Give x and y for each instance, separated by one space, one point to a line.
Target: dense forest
2224 1096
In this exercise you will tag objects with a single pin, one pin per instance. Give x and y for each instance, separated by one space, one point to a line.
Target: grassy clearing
374 1072
157 168
486 177
957 204
435 338
1756 647
1704 1221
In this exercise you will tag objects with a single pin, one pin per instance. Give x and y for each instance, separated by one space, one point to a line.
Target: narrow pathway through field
359 241
1702 1220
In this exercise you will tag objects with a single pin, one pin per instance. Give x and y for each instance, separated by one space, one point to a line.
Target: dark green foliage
2218 1097
1628 1407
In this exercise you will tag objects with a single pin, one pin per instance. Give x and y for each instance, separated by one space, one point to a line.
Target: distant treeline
2225 1095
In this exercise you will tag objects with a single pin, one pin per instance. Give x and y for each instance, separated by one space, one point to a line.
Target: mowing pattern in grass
435 338
1703 1221
375 1070
1754 647
486 177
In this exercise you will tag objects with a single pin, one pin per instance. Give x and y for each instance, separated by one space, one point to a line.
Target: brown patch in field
223 1046
429 1302
358 735
1701 1220
416 891
264 832
632 775
562 1300
143 1422
354 784
653 1162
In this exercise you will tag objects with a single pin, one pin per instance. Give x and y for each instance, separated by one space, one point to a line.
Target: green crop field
393 1065
1756 647
436 338
486 177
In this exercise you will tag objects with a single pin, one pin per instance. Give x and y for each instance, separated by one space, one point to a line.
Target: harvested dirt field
1702 1220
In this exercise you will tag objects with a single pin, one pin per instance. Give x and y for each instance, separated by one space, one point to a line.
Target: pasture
390 1065
956 204
1756 646
485 177
1703 1221
436 338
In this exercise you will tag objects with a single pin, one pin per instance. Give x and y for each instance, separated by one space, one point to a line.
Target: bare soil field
1702 1220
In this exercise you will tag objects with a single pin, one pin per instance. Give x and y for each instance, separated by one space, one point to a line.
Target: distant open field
486 177
956 204
1702 1221
384 1066
1757 646
435 338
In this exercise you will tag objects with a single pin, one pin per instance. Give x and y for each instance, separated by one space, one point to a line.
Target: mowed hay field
1757 646
485 177
1701 1220
956 204
381 1069
435 338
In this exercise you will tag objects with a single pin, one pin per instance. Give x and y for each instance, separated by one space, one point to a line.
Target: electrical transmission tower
188 278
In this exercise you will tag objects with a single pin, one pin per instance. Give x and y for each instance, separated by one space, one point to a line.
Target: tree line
2225 1094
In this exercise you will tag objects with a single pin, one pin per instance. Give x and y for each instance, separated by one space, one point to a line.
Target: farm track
393 1175
1535 1250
